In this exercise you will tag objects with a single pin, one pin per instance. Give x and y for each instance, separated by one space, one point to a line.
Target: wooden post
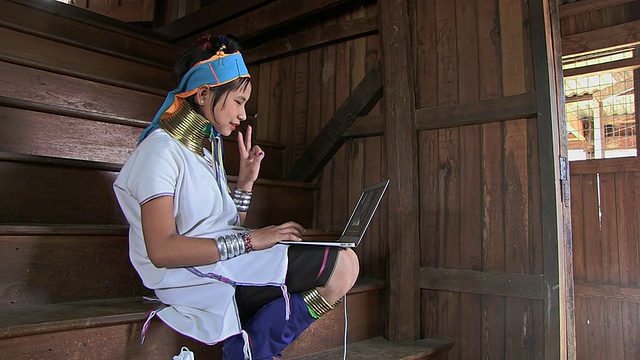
559 325
401 146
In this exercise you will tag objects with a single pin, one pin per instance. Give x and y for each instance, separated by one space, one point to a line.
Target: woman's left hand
250 160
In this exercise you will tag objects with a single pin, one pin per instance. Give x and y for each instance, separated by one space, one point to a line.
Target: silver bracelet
242 199
222 248
243 250
230 246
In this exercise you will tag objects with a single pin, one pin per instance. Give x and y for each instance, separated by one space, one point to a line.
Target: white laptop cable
346 323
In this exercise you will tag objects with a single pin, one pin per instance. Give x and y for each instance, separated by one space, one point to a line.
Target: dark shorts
309 267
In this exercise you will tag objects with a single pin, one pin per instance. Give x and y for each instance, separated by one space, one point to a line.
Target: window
600 101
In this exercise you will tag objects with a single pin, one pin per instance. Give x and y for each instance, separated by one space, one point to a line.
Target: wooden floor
380 349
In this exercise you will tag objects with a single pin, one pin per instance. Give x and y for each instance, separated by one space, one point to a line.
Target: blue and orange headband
218 70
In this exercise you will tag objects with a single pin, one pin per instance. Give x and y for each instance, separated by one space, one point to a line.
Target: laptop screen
363 213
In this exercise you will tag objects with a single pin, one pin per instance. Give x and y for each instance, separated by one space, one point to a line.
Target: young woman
220 281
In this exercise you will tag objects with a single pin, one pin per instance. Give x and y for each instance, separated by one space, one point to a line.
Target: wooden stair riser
85 196
43 269
122 341
71 25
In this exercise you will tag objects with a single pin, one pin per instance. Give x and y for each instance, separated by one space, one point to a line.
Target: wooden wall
604 205
480 191
481 242
296 95
606 229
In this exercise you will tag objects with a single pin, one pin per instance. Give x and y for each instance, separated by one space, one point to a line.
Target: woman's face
229 111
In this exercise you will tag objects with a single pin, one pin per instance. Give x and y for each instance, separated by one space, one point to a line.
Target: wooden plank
626 210
26 270
559 336
357 28
263 19
631 333
449 206
76 27
578 228
21 132
327 333
627 34
614 332
381 349
609 224
470 323
512 285
329 140
264 101
597 332
585 6
325 178
582 326
70 60
365 126
129 11
426 58
376 251
493 241
480 112
631 311
605 166
399 104
77 94
211 14
516 192
27 105
300 106
285 117
94 140
94 187
275 102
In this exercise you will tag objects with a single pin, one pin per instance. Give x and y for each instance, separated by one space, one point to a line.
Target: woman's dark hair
202 49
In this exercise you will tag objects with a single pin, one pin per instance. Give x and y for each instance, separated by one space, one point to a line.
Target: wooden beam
555 215
327 143
485 283
403 307
259 21
365 126
619 65
608 292
343 30
585 6
604 166
209 15
627 34
481 112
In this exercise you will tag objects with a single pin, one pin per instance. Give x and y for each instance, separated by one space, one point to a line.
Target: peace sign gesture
250 160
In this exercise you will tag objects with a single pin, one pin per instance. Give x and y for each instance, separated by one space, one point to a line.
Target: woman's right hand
268 236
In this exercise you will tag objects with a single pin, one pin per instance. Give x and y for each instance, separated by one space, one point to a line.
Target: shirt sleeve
155 171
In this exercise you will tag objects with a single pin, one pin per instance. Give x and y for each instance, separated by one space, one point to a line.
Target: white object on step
185 354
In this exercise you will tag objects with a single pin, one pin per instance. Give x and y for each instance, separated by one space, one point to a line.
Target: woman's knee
344 275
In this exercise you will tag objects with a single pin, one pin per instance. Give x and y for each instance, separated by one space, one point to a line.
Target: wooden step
381 349
110 329
84 194
80 27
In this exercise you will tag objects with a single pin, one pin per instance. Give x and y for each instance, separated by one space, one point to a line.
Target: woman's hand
250 160
268 236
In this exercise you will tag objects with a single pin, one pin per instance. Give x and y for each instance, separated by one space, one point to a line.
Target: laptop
359 220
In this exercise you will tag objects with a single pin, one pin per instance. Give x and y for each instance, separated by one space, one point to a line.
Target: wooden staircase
68 120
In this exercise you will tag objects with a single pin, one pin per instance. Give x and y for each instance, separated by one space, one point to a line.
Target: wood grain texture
401 147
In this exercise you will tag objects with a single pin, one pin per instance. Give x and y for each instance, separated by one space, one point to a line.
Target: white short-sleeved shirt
200 306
